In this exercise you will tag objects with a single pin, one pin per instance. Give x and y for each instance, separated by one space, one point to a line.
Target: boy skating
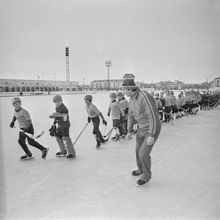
124 104
25 124
116 111
93 115
61 118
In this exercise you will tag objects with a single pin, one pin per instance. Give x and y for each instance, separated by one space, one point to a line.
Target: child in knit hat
116 111
61 120
124 103
93 115
26 127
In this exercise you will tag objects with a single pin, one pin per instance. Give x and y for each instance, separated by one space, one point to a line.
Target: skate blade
29 158
99 148
61 156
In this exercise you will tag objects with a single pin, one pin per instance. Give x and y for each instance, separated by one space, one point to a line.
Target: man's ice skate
136 172
26 157
141 182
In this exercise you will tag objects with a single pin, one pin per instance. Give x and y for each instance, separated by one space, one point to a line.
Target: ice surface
97 184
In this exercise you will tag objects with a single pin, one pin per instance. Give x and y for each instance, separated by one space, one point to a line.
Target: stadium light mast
67 64
108 63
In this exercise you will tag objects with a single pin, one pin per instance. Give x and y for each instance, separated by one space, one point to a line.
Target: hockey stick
108 135
106 126
80 133
32 136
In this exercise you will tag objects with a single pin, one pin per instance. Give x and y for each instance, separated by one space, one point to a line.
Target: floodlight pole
108 63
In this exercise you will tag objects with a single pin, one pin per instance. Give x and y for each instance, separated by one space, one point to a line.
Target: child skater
93 115
159 106
25 124
125 104
116 110
61 117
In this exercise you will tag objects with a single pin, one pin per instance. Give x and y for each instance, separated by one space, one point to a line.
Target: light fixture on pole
108 63
67 64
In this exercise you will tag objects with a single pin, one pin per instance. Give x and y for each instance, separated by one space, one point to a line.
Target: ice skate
26 157
141 182
116 137
70 156
98 145
44 153
60 154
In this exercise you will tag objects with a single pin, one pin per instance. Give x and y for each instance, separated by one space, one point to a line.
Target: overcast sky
154 39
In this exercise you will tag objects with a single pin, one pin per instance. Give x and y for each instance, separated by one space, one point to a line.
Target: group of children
59 129
168 107
171 107
118 109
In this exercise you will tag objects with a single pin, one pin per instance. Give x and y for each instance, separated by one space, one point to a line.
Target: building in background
169 85
20 85
113 84
215 83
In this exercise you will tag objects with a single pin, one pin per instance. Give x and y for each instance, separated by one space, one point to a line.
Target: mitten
104 122
12 124
89 119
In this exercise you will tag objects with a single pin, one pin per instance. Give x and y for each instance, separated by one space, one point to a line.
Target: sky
156 40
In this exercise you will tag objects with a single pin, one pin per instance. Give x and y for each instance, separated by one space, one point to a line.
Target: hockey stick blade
32 136
39 135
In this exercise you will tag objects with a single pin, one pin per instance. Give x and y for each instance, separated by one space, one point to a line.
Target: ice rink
98 183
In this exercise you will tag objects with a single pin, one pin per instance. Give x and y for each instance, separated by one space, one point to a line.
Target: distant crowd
171 107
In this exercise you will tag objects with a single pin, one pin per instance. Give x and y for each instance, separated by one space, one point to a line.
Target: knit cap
88 97
120 94
113 95
128 81
57 98
15 99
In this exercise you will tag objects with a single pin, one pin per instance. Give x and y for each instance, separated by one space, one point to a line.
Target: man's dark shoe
136 173
141 182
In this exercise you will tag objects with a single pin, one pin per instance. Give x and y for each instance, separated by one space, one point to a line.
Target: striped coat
142 109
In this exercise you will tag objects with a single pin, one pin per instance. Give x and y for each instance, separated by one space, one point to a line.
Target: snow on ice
98 184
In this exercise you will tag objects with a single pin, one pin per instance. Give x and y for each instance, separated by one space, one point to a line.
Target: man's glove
12 124
89 119
104 122
108 114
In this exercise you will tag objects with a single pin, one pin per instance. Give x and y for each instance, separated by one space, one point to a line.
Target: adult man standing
142 110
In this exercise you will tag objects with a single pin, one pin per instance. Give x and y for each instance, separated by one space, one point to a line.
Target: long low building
106 84
112 84
216 83
24 85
